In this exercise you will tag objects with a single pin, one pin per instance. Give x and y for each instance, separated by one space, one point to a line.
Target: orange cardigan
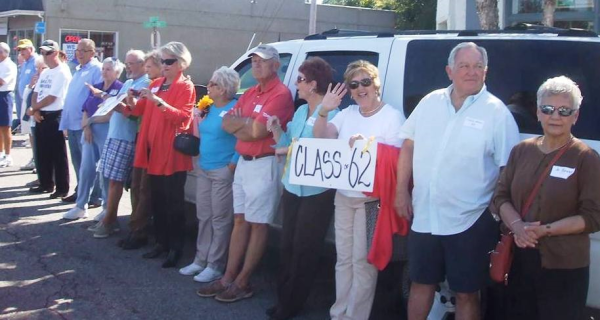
154 148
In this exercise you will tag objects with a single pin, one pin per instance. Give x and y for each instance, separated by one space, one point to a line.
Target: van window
516 70
246 78
339 60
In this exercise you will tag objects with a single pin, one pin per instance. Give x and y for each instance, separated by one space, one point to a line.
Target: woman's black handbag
187 144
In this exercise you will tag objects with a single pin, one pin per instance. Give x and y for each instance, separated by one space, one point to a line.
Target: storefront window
15 35
536 6
105 43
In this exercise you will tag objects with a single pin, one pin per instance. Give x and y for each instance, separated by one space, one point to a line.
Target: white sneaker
29 166
95 226
75 214
191 270
208 275
6 162
100 215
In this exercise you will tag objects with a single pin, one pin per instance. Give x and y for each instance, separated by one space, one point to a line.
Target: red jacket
388 222
154 148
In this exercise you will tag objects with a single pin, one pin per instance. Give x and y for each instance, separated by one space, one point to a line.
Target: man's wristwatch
103 94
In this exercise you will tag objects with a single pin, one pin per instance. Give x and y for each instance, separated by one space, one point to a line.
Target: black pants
167 196
305 224
539 293
53 164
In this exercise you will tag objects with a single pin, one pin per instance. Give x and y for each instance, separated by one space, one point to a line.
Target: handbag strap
542 177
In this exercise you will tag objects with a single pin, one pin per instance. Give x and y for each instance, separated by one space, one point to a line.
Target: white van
412 64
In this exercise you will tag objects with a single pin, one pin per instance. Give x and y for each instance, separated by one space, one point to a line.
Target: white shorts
257 188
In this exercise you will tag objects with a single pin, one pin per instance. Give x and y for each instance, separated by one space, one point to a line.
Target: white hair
559 86
117 65
4 46
178 50
39 61
463 45
228 79
139 54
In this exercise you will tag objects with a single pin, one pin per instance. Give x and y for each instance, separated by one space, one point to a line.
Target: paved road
54 269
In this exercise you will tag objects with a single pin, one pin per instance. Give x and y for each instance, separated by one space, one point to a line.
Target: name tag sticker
474 123
223 113
154 90
257 108
28 71
310 122
84 73
562 172
113 92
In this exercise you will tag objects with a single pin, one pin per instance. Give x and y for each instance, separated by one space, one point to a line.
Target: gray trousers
214 209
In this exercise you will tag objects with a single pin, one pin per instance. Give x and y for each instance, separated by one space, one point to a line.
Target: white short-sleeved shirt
457 158
8 73
384 126
53 82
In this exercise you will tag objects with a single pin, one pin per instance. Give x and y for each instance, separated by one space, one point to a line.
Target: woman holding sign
550 272
370 118
307 211
95 131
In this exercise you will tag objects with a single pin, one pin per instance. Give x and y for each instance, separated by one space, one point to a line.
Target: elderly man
256 186
456 141
117 157
26 73
88 71
46 107
8 81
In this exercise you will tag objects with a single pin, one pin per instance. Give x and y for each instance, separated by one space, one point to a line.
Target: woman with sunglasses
307 211
550 271
166 107
355 278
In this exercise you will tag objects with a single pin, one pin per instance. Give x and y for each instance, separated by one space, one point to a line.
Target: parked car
411 64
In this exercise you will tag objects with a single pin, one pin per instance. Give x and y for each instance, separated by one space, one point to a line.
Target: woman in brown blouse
550 271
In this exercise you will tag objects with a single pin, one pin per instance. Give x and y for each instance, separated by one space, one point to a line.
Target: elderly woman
216 165
95 131
550 271
307 211
355 278
166 107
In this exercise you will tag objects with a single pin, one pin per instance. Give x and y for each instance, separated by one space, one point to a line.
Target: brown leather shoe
234 293
212 289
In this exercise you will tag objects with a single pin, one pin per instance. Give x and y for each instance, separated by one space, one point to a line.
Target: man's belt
250 158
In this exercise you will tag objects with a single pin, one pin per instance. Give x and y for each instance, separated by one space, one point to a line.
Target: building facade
461 14
216 32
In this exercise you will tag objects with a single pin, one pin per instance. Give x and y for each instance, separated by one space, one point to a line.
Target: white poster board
331 163
69 49
109 104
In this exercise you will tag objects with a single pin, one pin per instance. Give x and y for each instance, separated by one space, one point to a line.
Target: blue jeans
90 155
75 150
18 100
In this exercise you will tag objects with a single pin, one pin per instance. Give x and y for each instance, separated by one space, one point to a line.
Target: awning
10 8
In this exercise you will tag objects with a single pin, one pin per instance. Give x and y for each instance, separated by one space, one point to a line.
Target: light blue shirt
122 127
77 93
301 126
25 74
217 146
457 158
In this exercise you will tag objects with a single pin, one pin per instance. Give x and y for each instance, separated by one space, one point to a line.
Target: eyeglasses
211 84
366 82
168 61
562 111
81 50
46 53
129 64
300 79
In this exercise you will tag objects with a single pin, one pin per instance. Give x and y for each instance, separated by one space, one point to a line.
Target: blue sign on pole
40 27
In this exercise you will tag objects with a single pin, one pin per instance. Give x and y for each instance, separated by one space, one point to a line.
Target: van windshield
516 69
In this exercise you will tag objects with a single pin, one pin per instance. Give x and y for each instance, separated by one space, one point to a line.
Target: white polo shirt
8 73
457 158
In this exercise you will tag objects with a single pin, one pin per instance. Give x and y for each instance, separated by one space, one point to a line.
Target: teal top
301 126
217 146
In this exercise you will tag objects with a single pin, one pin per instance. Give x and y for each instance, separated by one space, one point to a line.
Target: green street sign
154 22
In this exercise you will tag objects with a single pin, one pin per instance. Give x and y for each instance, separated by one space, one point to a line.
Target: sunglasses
46 53
300 79
168 61
366 82
562 111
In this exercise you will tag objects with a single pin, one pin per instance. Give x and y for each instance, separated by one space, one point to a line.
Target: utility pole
312 20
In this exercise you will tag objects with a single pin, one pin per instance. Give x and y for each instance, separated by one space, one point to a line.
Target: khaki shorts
257 188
